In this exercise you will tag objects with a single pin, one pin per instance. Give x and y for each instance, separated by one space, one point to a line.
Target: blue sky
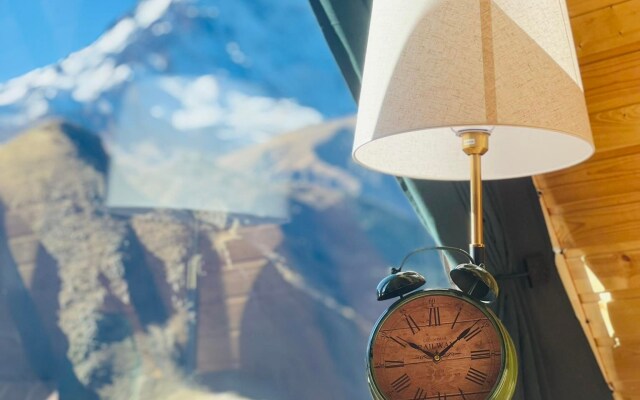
35 33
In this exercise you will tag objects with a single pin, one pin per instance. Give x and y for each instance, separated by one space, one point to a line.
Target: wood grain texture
602 74
580 7
607 32
558 207
602 248
613 82
593 226
626 167
616 128
608 184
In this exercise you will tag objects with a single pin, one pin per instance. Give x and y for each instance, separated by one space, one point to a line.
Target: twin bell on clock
473 280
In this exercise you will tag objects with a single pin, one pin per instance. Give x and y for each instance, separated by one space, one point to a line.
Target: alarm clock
440 344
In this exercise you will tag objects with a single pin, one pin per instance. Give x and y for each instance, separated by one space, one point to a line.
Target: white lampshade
433 66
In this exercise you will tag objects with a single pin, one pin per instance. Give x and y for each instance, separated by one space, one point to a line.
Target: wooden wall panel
623 315
565 200
630 390
625 167
580 7
624 358
608 272
601 75
593 210
617 127
593 226
607 32
615 83
607 182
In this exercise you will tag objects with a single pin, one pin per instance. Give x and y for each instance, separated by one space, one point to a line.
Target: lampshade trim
394 170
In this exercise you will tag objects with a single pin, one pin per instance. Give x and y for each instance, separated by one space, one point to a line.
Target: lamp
448 79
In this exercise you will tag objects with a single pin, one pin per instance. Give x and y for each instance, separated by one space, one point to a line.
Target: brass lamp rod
475 144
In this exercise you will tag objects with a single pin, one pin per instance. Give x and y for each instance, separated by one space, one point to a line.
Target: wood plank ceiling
593 210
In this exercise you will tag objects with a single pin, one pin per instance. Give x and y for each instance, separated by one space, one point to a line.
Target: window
181 217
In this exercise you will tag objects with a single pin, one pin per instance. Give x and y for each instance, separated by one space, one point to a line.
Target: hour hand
417 347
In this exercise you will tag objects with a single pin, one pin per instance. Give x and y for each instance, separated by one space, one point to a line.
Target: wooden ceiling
593 210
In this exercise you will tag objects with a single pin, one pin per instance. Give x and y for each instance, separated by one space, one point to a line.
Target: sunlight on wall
605 299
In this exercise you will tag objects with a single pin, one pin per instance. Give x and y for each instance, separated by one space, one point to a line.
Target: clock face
436 346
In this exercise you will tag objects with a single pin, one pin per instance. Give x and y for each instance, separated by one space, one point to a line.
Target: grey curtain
555 359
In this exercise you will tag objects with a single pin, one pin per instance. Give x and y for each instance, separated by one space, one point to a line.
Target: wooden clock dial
436 347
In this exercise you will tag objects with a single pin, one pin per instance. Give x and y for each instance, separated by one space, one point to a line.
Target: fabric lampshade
435 67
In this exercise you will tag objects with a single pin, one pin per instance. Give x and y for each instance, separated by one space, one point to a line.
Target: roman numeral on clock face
480 354
434 316
456 318
412 324
421 394
402 383
397 341
393 364
475 376
388 336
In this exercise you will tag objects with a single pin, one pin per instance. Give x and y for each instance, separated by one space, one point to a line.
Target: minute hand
460 336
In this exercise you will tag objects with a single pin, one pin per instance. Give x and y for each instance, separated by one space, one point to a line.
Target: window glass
180 217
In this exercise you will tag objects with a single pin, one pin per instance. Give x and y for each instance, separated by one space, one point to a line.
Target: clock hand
417 347
460 336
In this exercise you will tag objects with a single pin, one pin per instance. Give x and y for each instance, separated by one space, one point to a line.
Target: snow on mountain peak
149 11
116 38
82 77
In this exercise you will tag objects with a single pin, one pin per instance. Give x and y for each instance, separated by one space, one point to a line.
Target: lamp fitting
474 142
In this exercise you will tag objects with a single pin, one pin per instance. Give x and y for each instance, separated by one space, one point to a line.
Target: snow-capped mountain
194 65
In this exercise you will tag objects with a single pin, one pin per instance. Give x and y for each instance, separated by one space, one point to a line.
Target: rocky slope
159 303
